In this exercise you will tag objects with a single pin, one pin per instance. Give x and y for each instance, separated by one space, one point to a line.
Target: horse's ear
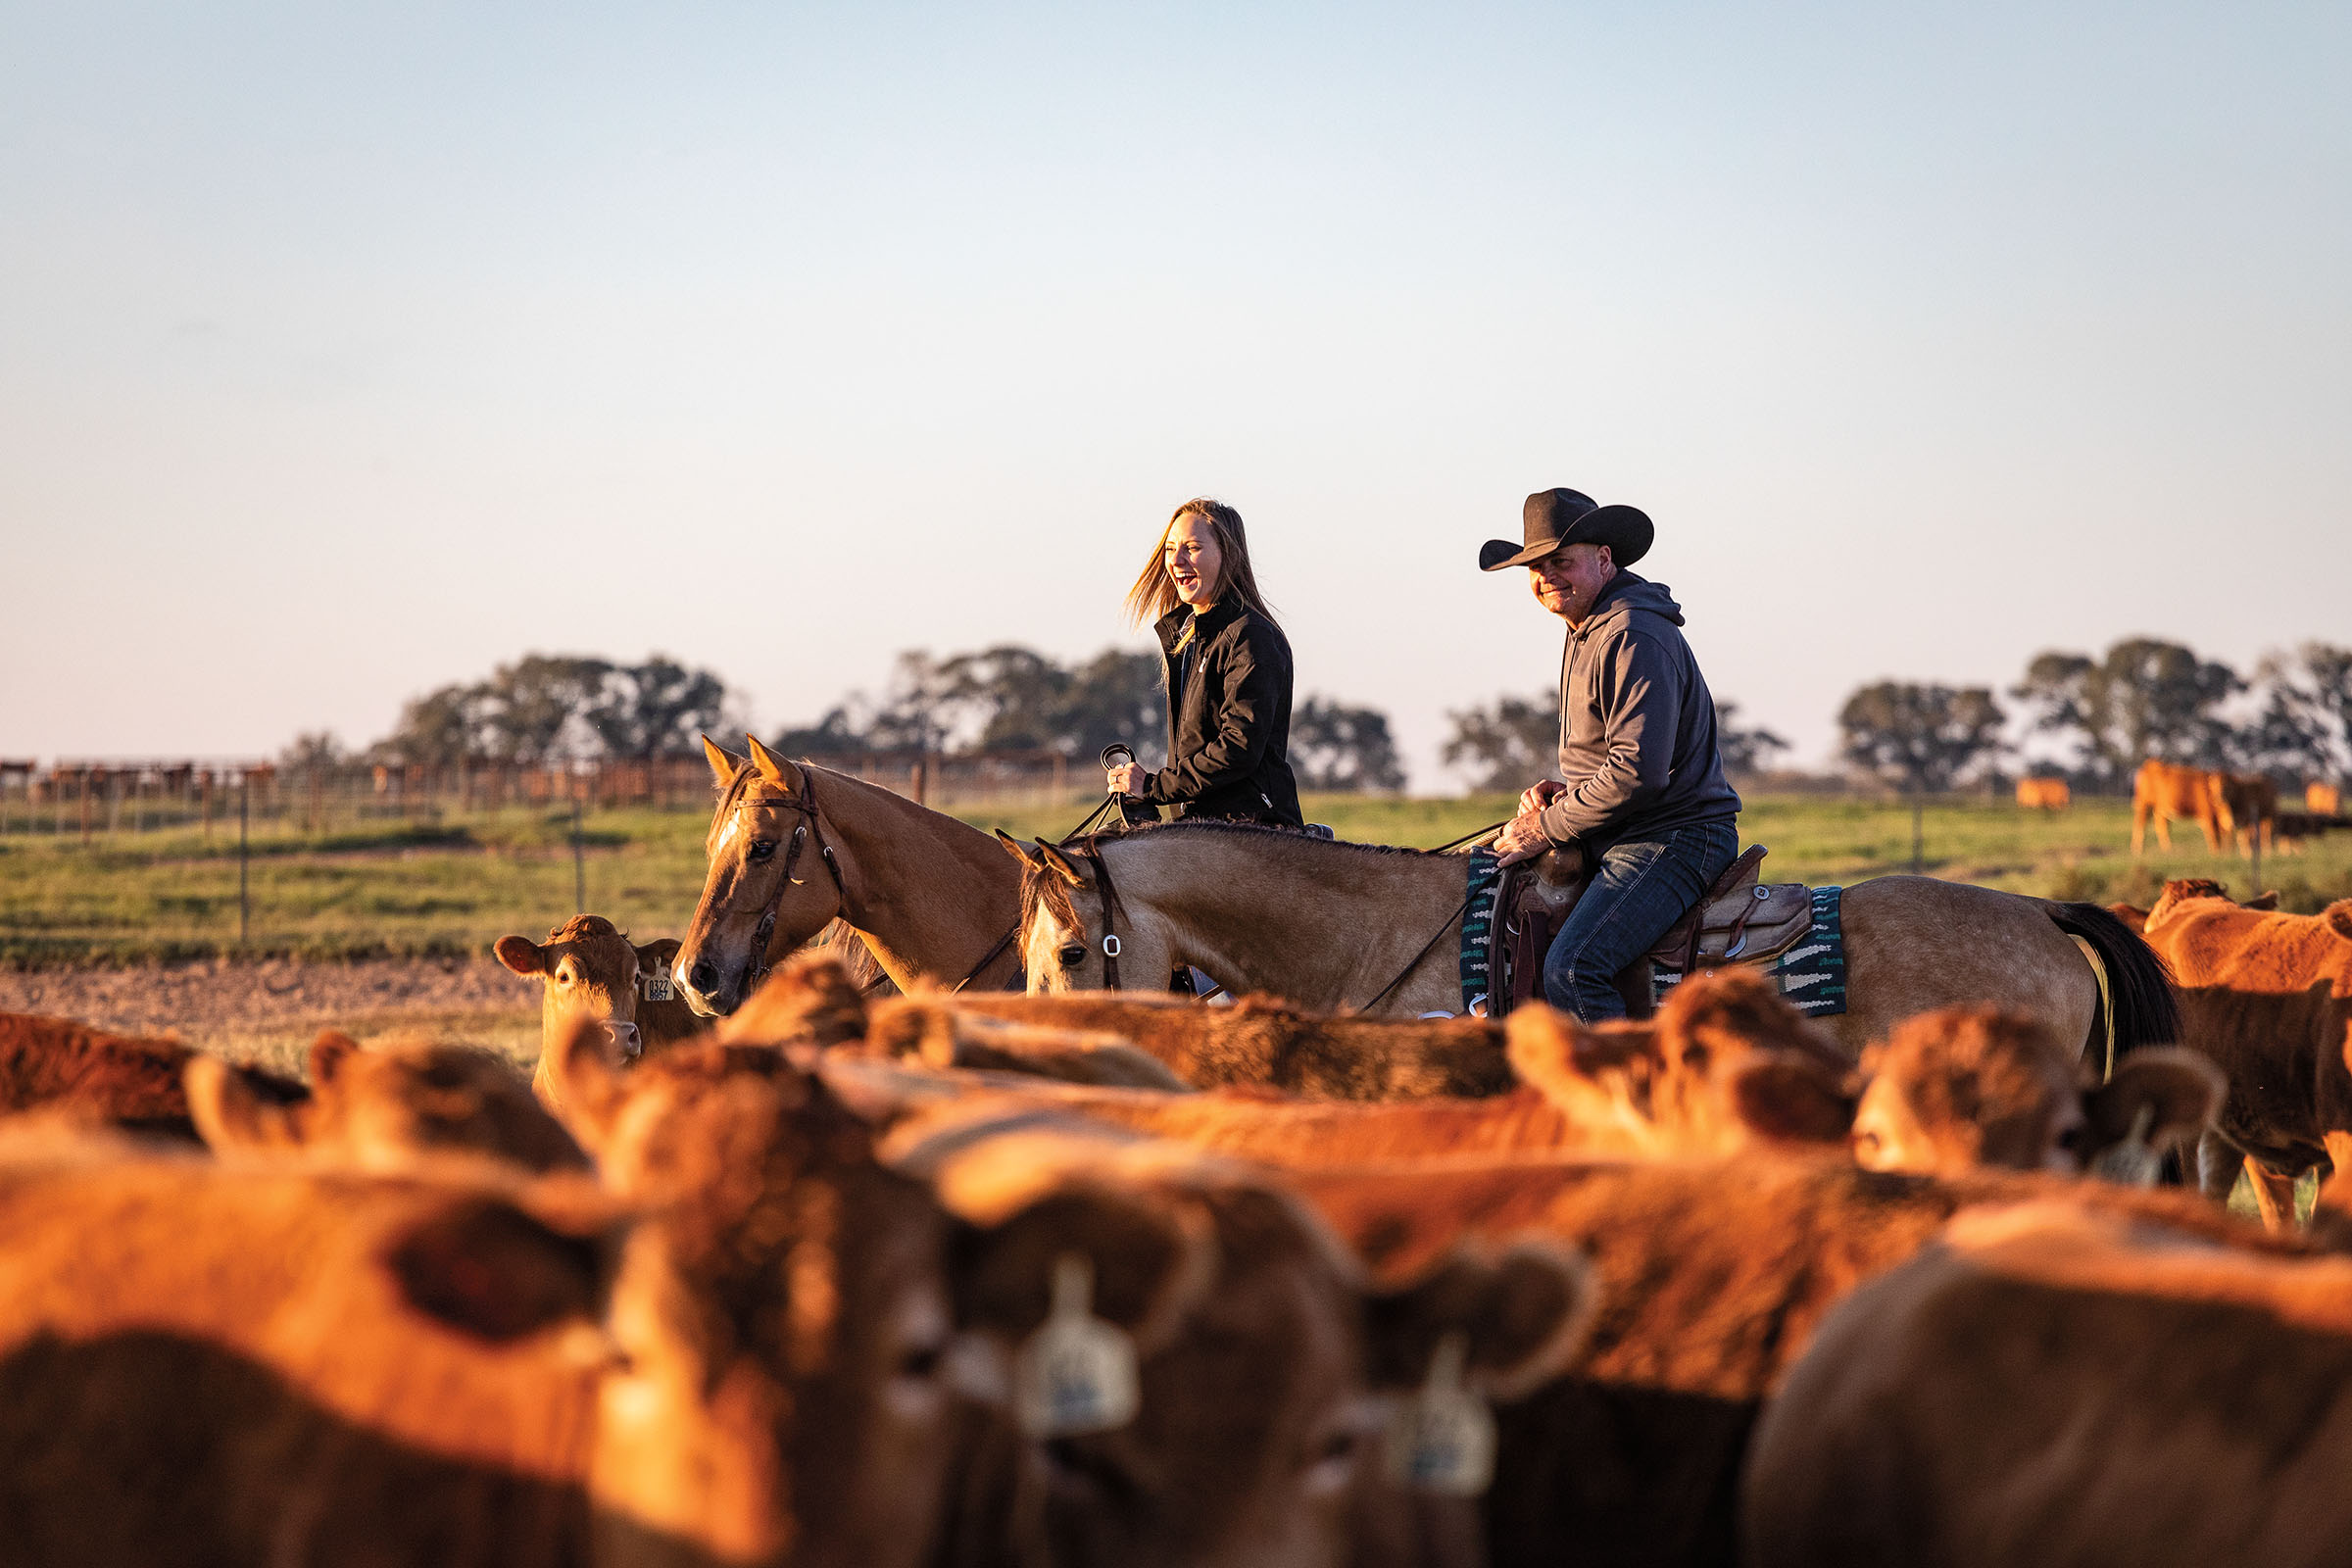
1061 863
723 761
772 767
1012 847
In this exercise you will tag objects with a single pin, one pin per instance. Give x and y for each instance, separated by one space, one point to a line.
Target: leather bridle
1090 852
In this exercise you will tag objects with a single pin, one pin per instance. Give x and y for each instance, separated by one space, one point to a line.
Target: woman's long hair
1154 592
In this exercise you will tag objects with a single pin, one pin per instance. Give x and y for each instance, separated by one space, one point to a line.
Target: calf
588 968
2162 791
2289 1089
89 1075
2207 940
1713 1275
1966 1087
382 1106
2047 1385
2044 794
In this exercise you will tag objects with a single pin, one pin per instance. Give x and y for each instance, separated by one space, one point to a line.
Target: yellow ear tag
657 986
1076 1373
1441 1439
2131 1163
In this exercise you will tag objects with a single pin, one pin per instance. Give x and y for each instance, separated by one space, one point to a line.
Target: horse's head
1063 944
768 888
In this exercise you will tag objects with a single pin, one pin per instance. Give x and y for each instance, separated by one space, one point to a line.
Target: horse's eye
1073 955
760 849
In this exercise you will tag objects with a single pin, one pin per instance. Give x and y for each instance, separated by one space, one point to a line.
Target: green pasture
451 887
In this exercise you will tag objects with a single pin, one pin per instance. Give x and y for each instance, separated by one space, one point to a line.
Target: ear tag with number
659 987
1441 1437
2131 1163
1076 1373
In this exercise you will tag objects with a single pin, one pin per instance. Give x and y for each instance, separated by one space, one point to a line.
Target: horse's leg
2273 1196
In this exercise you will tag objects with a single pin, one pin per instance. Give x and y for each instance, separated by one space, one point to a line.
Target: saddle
1739 921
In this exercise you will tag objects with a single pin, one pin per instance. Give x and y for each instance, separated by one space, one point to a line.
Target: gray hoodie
1638 745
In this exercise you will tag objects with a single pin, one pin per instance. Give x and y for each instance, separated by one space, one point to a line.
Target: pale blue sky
345 354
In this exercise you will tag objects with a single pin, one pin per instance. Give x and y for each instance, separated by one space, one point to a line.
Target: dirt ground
270 1010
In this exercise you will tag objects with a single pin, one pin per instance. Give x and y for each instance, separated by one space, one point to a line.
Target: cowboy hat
1557 517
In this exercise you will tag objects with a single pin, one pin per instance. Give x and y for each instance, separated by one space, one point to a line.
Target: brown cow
2044 794
2289 1090
1243 1313
1964 1088
91 1075
588 968
2250 809
2207 940
2047 1385
382 1106
2162 791
1713 1276
2321 798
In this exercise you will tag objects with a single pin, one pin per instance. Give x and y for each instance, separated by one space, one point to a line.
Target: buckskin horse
793 846
1333 925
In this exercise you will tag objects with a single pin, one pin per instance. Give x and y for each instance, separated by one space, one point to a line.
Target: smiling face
1194 564
1570 578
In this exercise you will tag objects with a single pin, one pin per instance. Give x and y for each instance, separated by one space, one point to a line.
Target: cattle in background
2162 791
2048 1386
1714 1274
587 968
2044 794
382 1106
2250 809
1967 1088
2321 798
90 1075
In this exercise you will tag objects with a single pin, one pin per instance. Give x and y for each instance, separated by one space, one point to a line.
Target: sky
347 352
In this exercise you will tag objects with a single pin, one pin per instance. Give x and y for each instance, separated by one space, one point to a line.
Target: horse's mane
1266 832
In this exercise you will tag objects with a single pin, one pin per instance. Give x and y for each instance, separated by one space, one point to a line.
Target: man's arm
1644 695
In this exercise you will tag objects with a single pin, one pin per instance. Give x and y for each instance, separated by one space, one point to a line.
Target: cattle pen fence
90 798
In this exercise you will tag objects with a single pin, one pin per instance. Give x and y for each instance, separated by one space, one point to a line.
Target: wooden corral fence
133 795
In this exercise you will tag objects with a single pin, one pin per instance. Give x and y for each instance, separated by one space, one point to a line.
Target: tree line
2291 717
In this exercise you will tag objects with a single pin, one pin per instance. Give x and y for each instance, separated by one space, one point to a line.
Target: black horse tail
2145 1010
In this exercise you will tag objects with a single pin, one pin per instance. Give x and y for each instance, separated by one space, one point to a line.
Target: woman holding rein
1228 672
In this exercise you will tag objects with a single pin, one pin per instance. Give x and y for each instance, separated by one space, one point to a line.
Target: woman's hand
1541 792
1127 779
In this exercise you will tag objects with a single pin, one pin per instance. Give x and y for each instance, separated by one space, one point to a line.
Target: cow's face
588 969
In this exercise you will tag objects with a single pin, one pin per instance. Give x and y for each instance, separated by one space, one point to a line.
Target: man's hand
1127 779
1541 792
1522 837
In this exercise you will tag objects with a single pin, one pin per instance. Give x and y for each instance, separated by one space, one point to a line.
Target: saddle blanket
1811 974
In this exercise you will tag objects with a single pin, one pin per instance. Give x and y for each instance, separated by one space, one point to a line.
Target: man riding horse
1644 803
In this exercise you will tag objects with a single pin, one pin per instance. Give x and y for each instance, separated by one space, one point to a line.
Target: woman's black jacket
1229 718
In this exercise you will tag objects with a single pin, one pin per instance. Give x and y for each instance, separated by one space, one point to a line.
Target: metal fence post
579 861
244 899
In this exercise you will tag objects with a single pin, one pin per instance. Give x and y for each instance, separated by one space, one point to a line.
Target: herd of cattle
1107 1279
2240 809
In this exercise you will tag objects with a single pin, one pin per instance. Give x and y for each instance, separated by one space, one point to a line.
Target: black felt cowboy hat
1557 517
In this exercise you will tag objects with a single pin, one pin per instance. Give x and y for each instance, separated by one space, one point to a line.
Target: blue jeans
1637 890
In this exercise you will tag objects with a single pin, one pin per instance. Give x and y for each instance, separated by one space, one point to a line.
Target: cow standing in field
2044 794
2251 805
2162 791
2047 1386
589 970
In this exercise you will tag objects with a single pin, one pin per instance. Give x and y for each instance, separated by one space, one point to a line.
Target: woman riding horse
1228 670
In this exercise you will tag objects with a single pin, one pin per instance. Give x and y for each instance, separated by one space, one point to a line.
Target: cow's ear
724 763
657 955
2338 917
1551 1052
810 998
495 1272
1148 1262
2263 901
329 1052
1522 1317
1788 1098
229 1116
581 1067
520 954
2170 1095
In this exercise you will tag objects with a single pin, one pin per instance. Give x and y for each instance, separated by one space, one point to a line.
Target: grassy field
449 889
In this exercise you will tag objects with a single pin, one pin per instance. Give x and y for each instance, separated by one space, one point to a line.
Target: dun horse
1331 925
793 846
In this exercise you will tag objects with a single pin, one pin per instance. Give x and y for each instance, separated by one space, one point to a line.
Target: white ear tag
1441 1439
659 987
1076 1373
2131 1163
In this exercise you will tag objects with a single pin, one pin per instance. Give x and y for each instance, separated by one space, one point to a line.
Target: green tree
1920 739
2143 698
1745 751
653 708
1334 747
1511 741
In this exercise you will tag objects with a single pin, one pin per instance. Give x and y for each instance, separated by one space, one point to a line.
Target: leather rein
809 829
